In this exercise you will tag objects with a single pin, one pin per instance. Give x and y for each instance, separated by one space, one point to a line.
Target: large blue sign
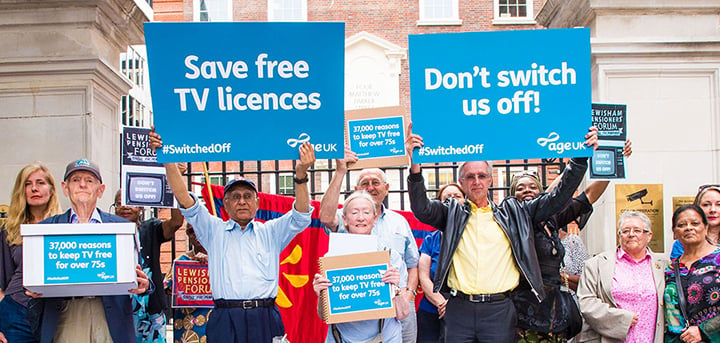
246 91
500 95
80 259
358 289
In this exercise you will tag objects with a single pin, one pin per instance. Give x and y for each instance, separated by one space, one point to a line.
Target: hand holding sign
412 142
142 280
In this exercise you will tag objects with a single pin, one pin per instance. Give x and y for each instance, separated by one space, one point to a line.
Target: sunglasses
704 187
523 173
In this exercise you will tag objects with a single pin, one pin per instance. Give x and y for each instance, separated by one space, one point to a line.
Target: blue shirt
431 247
677 250
394 232
94 218
244 264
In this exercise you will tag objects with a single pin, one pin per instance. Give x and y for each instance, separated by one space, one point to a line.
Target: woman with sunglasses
534 319
708 198
33 199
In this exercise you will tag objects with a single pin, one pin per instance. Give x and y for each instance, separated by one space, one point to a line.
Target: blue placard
246 91
80 259
358 289
500 95
379 137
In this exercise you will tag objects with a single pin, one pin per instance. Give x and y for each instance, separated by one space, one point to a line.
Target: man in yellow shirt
487 250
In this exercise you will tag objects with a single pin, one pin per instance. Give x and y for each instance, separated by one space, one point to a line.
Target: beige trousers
83 320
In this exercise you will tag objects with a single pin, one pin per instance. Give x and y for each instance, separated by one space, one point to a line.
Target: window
133 112
443 177
212 10
513 12
286 184
439 12
287 10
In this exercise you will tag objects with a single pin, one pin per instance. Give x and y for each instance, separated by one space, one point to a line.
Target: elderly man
86 319
243 254
153 233
391 228
487 250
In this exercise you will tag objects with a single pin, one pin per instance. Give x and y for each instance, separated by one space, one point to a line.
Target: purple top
11 280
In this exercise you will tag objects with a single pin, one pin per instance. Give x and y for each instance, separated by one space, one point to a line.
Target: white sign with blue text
57 258
246 91
500 95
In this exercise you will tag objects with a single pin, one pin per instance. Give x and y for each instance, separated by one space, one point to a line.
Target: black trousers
237 325
491 322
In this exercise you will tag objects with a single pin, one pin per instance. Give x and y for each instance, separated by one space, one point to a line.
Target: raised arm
175 179
431 212
331 198
302 196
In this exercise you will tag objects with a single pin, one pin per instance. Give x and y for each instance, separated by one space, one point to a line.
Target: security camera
638 196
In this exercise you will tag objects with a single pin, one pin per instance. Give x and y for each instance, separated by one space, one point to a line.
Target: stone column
60 85
662 59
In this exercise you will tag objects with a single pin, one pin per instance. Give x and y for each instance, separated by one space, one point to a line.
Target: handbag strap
681 293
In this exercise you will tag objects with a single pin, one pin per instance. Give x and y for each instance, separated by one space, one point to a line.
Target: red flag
299 263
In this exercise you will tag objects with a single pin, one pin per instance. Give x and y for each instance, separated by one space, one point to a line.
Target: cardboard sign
142 180
377 136
470 91
79 259
357 292
647 199
608 161
191 285
246 90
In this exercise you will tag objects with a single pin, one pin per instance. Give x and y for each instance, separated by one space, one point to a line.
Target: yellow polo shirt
483 262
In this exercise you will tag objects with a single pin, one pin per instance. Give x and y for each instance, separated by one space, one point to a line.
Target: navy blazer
118 308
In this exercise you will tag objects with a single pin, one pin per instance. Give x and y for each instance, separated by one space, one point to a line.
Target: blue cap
237 182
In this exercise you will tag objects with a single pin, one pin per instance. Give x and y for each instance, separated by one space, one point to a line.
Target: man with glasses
391 228
244 254
487 250
153 232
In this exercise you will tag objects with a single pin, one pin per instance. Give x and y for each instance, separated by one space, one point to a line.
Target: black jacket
514 217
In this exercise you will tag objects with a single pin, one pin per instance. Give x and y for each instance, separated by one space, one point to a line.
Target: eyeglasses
637 232
374 183
480 176
523 173
237 196
703 187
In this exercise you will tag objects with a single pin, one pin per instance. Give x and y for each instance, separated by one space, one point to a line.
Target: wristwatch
300 181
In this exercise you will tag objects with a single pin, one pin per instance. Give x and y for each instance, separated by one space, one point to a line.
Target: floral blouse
701 286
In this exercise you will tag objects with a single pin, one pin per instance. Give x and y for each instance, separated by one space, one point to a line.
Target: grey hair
462 165
371 171
359 195
634 214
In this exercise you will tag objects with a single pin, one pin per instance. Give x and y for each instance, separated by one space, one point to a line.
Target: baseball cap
82 164
237 182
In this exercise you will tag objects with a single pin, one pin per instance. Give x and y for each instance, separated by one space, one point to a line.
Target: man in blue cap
243 254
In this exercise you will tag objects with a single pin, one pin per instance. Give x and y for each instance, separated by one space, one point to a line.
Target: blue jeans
13 322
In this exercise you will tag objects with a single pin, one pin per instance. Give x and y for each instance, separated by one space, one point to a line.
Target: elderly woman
691 298
359 214
621 291
33 199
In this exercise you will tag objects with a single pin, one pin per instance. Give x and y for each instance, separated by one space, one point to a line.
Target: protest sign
377 136
246 91
608 161
142 179
357 291
500 95
79 259
191 285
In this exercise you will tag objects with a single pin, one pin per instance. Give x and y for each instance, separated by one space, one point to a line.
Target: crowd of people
504 272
